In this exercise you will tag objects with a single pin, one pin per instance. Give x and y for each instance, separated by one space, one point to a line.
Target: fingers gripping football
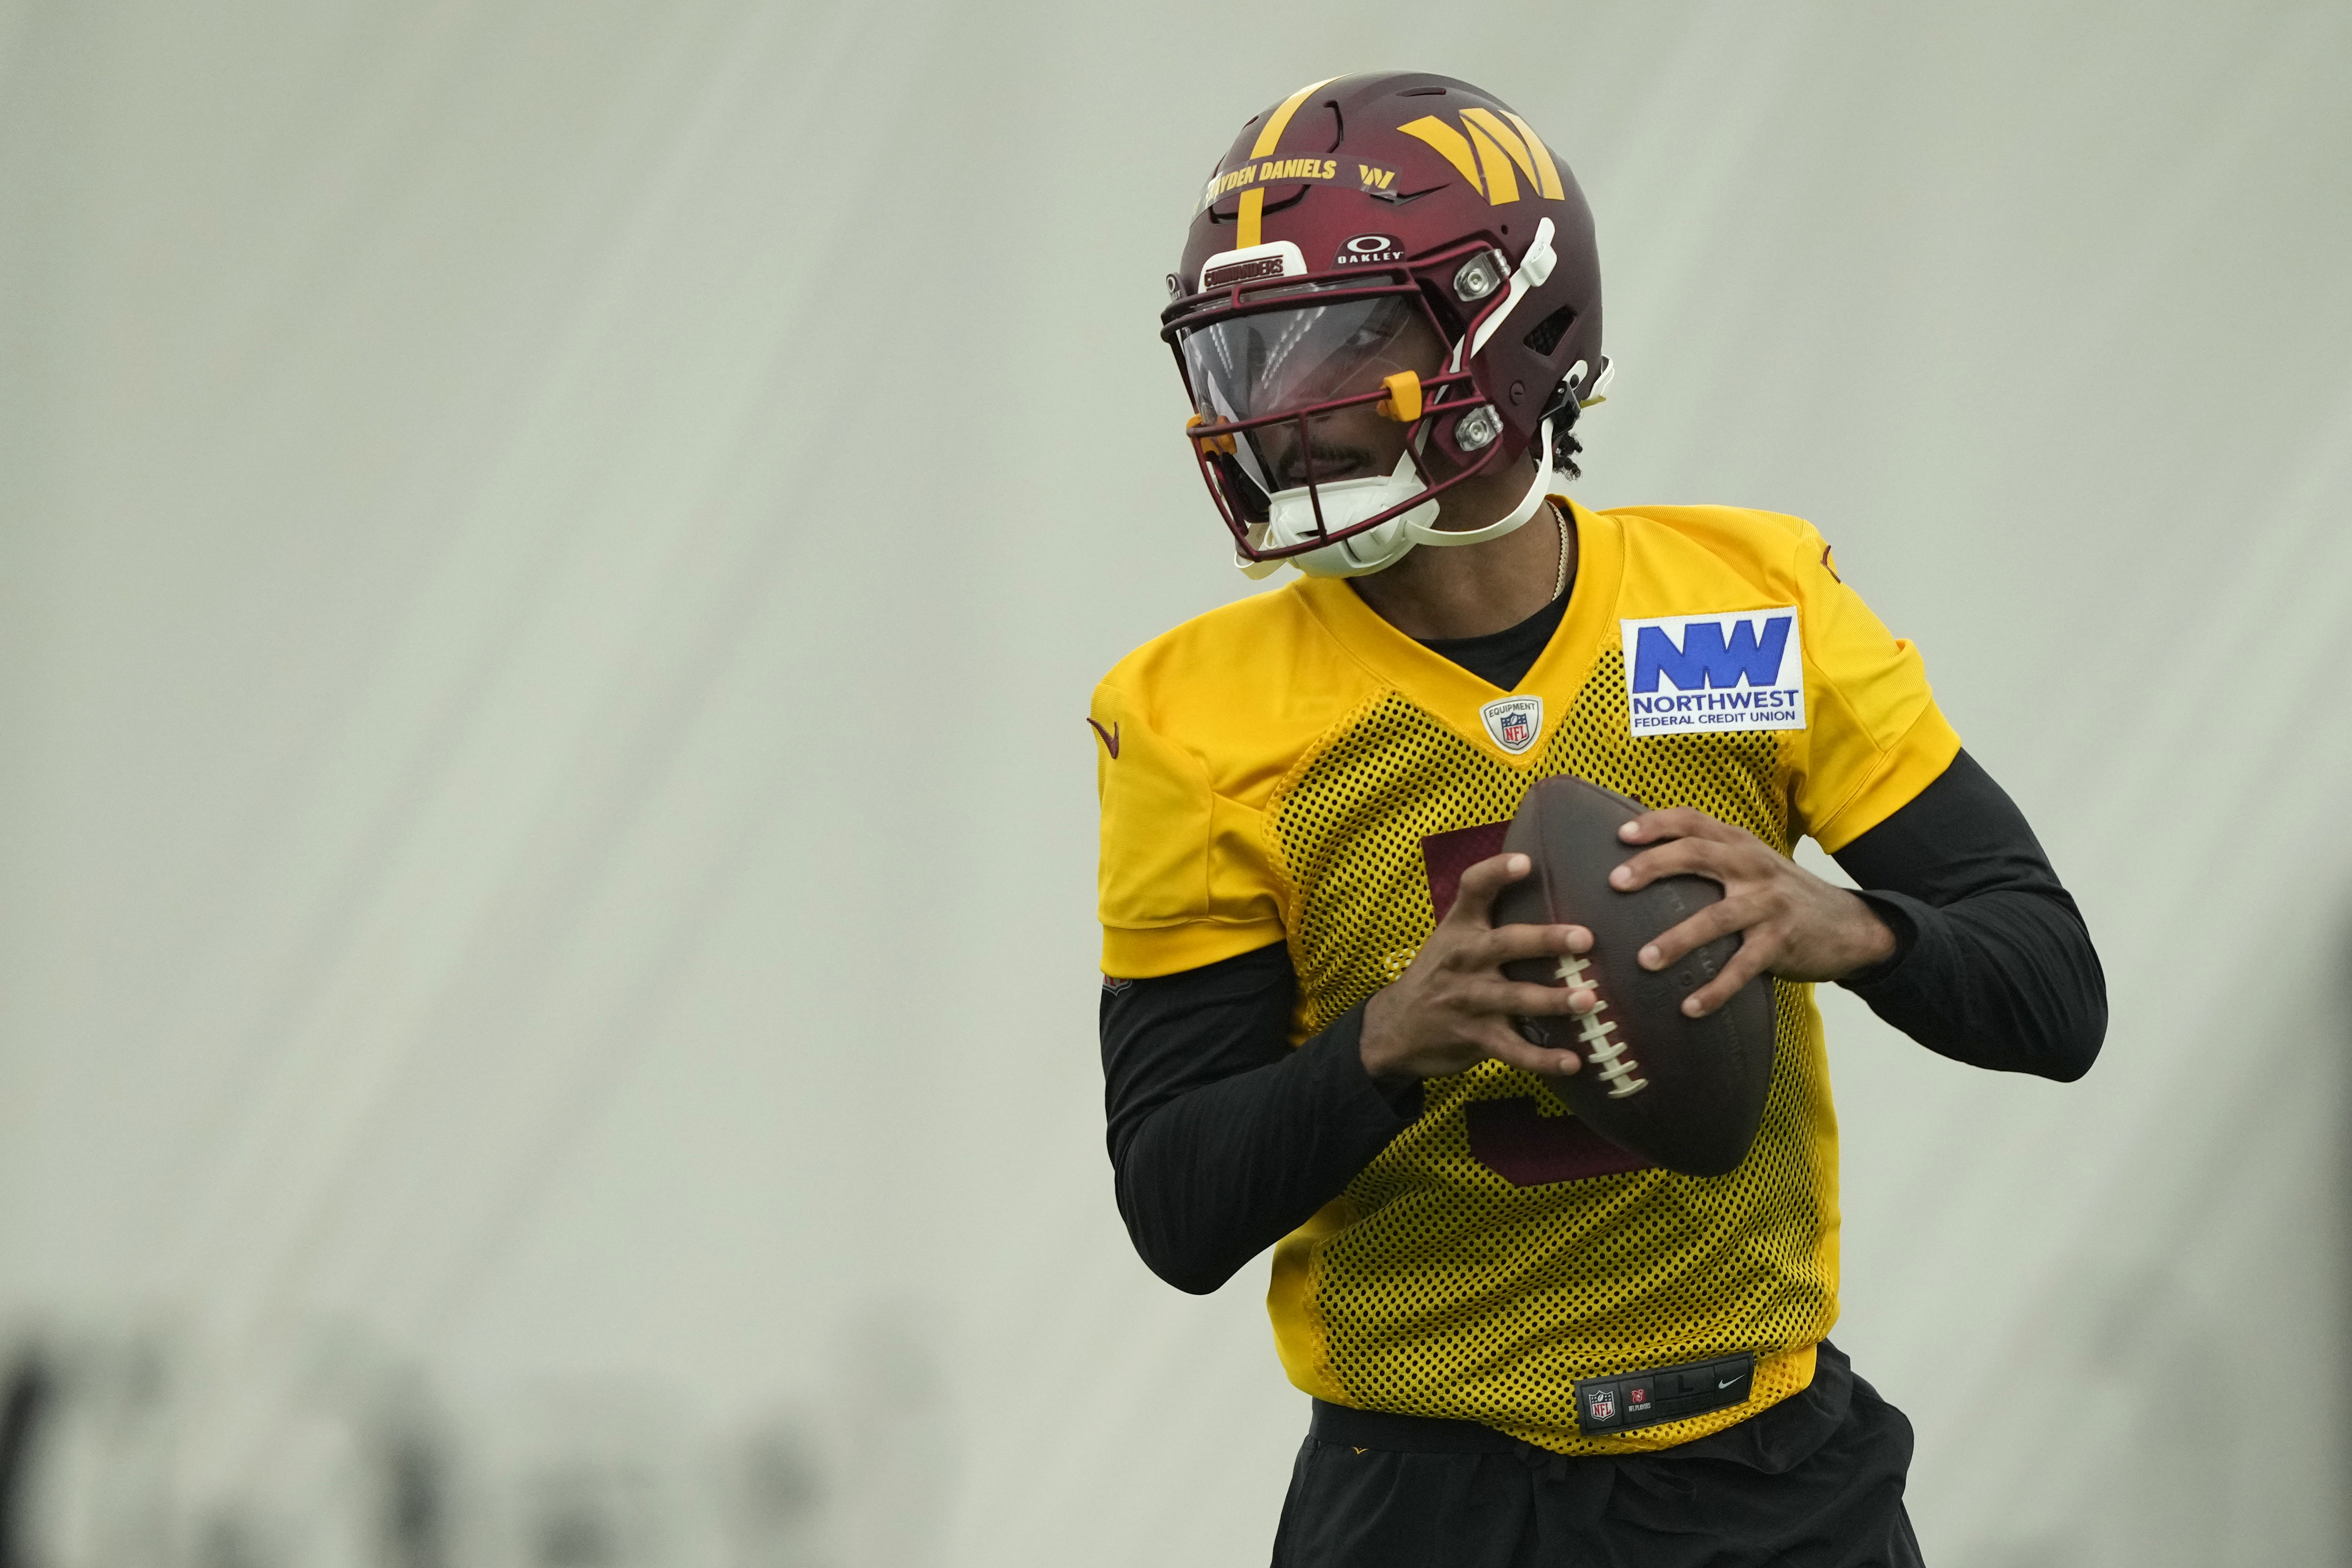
1791 923
1451 1007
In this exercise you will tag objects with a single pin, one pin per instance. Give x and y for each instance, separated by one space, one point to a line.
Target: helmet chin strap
1392 540
1534 269
1545 479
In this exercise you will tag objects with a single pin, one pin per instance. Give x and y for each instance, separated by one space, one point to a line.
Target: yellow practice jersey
1291 768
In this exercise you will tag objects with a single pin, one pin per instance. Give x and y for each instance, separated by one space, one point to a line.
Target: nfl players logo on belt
1309 1029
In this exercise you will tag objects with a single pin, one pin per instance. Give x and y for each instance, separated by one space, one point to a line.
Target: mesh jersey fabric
1270 771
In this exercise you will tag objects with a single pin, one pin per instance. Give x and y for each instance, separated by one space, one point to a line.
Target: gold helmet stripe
1249 228
1279 120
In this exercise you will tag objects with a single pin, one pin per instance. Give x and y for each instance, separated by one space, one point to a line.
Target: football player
1523 1344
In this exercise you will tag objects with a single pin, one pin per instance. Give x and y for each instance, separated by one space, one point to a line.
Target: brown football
1686 1093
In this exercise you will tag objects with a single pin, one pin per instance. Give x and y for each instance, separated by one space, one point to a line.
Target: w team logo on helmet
1390 287
1486 151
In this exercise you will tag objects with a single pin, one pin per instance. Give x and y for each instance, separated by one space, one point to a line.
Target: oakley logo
1494 156
1110 738
1367 249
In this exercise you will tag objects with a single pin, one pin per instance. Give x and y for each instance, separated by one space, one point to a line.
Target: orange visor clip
1210 443
1403 402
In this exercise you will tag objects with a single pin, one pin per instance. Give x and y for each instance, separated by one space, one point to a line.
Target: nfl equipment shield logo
1602 1402
1514 721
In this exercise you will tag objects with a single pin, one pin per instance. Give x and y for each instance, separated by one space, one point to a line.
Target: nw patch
1693 675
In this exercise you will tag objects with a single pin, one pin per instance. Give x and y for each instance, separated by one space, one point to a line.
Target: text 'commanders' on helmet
1390 287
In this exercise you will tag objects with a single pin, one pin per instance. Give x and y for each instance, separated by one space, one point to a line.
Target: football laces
1607 1055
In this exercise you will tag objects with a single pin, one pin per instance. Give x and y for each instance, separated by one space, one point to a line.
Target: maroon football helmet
1389 286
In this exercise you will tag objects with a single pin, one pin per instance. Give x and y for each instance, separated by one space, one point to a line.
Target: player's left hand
1791 923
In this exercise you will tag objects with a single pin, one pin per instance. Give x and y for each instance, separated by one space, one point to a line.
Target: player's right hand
1451 1007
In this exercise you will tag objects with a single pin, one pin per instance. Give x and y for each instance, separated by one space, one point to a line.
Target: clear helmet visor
1275 361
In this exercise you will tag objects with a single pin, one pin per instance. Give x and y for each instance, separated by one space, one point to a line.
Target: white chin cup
1290 520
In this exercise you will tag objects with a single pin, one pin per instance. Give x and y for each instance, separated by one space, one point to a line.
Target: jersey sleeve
1875 736
1184 878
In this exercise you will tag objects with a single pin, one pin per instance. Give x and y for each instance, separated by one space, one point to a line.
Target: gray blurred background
551 559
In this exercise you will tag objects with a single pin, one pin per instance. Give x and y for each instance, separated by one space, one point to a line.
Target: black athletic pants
1816 1481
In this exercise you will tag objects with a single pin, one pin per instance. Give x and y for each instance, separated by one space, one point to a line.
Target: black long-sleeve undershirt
1224 1139
1994 965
